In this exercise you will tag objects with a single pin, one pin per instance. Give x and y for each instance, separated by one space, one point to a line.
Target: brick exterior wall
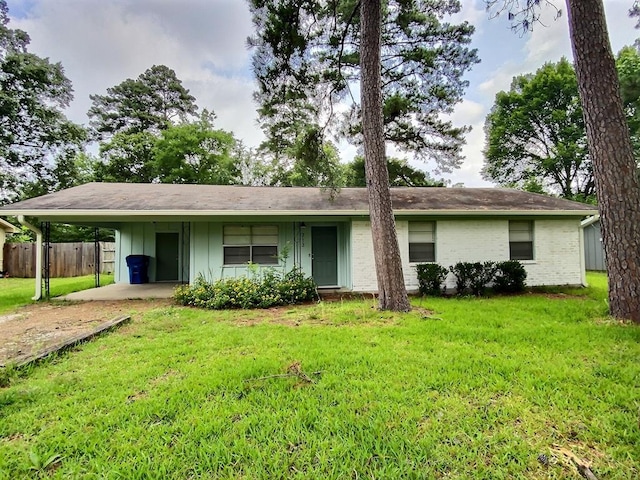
557 250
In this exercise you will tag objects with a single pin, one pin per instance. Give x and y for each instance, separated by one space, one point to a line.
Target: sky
101 43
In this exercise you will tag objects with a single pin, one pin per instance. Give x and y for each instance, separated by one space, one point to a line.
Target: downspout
38 233
583 269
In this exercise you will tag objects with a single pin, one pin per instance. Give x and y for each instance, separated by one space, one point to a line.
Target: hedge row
473 277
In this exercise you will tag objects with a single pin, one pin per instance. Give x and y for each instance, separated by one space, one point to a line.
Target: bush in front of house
431 278
473 277
483 274
269 289
510 277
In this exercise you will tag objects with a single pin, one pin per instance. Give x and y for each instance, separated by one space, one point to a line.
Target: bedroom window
255 243
422 242
521 240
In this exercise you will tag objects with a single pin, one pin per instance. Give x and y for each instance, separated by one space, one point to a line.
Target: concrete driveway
123 291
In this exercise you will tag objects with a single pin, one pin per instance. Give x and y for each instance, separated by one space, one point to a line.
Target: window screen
521 240
422 246
254 243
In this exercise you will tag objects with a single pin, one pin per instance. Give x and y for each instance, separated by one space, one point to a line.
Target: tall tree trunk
614 165
392 294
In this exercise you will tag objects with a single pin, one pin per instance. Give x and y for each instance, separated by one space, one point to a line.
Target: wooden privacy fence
66 259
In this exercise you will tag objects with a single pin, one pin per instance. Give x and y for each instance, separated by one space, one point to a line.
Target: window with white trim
422 242
250 243
521 240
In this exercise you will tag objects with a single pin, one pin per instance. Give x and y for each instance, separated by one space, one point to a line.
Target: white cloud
545 44
101 43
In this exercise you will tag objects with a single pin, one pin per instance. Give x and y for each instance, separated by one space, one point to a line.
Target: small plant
510 277
268 289
431 277
40 464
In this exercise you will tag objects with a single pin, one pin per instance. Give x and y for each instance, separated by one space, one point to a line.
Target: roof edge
309 213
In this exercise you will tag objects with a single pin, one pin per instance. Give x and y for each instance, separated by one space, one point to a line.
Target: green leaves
306 60
33 129
152 102
195 153
149 134
536 135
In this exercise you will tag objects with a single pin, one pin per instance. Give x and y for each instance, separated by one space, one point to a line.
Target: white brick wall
557 256
363 267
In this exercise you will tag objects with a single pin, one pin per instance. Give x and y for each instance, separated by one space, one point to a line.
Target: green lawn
15 292
475 389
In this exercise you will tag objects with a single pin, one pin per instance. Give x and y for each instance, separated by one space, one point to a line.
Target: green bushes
510 277
269 289
431 277
473 277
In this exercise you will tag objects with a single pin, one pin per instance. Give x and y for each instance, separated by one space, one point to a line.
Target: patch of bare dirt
34 328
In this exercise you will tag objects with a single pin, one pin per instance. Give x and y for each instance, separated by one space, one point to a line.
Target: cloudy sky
101 43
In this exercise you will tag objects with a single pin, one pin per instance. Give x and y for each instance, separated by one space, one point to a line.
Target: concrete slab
123 291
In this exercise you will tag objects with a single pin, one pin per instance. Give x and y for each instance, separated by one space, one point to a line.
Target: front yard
458 388
18 291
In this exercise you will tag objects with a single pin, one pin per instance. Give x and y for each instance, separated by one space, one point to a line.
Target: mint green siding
202 249
140 239
208 253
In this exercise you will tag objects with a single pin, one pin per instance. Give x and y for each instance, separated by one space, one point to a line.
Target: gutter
97 214
38 233
589 221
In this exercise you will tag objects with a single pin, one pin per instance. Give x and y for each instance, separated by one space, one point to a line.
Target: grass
458 388
15 292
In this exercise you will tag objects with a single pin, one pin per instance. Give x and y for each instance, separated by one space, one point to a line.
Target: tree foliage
401 174
149 132
610 145
628 66
196 153
127 157
306 60
33 129
535 134
309 161
150 103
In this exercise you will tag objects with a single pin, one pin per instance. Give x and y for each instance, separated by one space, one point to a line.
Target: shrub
430 278
463 272
483 275
260 291
473 276
510 277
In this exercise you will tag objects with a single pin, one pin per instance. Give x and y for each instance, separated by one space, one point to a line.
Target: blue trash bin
138 268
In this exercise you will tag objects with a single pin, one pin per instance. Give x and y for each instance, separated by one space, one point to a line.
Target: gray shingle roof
99 198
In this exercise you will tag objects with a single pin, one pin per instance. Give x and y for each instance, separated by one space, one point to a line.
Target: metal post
96 248
46 230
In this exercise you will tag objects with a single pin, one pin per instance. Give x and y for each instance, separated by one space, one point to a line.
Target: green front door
167 256
324 256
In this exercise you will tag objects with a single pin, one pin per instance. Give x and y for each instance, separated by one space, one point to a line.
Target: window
422 243
255 243
521 240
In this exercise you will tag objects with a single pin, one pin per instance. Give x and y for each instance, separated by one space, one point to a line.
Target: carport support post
46 227
38 294
96 262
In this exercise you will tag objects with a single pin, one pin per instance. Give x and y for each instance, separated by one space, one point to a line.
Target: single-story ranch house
217 231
